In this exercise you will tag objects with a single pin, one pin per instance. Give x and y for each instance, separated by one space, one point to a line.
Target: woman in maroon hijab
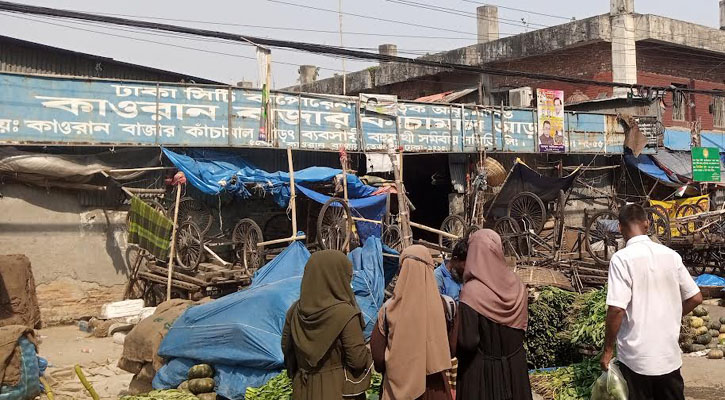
493 316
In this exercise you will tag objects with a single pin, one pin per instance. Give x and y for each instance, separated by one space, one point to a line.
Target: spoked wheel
193 210
687 210
334 225
393 237
155 293
136 258
189 246
527 205
695 261
703 204
659 226
455 225
603 237
245 239
509 231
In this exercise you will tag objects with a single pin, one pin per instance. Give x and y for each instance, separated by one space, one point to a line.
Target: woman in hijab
493 317
410 342
322 339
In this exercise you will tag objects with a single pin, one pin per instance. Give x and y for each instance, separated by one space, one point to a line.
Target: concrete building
77 246
621 46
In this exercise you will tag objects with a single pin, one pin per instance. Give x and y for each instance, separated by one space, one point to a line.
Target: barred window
678 106
718 111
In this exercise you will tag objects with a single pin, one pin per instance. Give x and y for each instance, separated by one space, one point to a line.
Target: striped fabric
149 229
453 373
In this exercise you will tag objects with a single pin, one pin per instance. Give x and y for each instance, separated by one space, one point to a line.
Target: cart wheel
602 236
659 226
703 204
136 258
245 237
470 230
687 210
189 246
528 205
509 231
334 225
155 293
192 210
455 225
393 237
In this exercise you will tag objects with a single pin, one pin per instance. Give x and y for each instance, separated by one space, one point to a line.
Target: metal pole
173 243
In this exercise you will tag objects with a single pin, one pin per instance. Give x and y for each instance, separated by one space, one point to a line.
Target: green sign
705 164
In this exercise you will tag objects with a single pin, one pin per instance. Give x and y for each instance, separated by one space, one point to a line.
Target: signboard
705 164
550 111
66 111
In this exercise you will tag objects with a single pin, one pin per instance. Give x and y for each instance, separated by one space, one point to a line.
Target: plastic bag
610 385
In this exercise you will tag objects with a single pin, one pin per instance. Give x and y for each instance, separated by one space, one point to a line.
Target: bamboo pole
343 163
293 198
120 170
173 243
433 230
403 210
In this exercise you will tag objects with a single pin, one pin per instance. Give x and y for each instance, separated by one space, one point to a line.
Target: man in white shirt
649 292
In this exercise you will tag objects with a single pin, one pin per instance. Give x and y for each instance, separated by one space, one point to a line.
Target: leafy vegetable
280 388
172 394
590 314
569 383
545 347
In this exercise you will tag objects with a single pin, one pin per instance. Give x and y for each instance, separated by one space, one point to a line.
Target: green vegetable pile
172 394
569 383
280 388
545 346
588 320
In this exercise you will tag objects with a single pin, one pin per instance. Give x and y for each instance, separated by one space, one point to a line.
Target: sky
417 27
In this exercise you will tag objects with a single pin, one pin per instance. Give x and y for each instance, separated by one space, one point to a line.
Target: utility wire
327 49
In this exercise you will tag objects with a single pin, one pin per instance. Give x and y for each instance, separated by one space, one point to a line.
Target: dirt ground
66 346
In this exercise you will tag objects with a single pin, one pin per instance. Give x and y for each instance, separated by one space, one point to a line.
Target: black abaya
491 359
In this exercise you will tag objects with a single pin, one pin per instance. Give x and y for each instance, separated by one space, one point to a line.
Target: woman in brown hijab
410 342
493 317
322 339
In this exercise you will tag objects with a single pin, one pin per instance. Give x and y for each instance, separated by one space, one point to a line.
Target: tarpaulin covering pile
709 280
240 334
214 172
524 179
19 368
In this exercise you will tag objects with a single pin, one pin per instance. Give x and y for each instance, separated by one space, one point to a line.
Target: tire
334 225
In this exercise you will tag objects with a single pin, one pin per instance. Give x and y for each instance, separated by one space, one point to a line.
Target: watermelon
715 354
204 371
700 311
201 385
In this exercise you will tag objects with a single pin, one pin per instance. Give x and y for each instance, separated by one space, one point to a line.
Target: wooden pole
293 199
173 243
403 210
343 163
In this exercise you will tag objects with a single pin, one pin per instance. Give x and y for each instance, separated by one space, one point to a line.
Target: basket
538 276
495 173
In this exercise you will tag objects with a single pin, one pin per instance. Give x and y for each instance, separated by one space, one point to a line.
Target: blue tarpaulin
645 164
709 280
213 172
240 334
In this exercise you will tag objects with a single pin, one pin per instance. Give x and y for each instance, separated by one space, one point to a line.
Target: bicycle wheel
602 236
527 205
334 225
455 225
195 211
245 238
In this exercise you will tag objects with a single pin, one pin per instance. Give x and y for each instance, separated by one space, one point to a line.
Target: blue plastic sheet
240 334
29 385
213 171
709 280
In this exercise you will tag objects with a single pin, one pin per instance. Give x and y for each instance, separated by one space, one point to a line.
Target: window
718 111
679 103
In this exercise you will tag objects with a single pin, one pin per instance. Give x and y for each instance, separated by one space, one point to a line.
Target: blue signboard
46 110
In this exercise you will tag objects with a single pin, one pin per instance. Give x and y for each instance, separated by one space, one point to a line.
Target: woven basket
538 276
495 172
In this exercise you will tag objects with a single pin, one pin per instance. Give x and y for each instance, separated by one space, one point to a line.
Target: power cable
327 49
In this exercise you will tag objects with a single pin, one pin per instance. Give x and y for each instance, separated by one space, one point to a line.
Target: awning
645 164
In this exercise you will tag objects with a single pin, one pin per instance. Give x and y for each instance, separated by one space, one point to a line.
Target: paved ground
705 379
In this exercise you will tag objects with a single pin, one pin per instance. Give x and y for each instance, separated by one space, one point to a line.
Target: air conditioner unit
521 97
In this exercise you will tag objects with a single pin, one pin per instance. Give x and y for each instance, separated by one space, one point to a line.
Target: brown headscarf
416 328
490 287
326 304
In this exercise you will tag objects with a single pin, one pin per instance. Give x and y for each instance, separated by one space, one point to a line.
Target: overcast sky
233 62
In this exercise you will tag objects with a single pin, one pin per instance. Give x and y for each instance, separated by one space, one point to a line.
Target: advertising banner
550 109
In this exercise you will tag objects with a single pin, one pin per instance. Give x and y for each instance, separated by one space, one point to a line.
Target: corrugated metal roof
446 97
25 57
680 164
